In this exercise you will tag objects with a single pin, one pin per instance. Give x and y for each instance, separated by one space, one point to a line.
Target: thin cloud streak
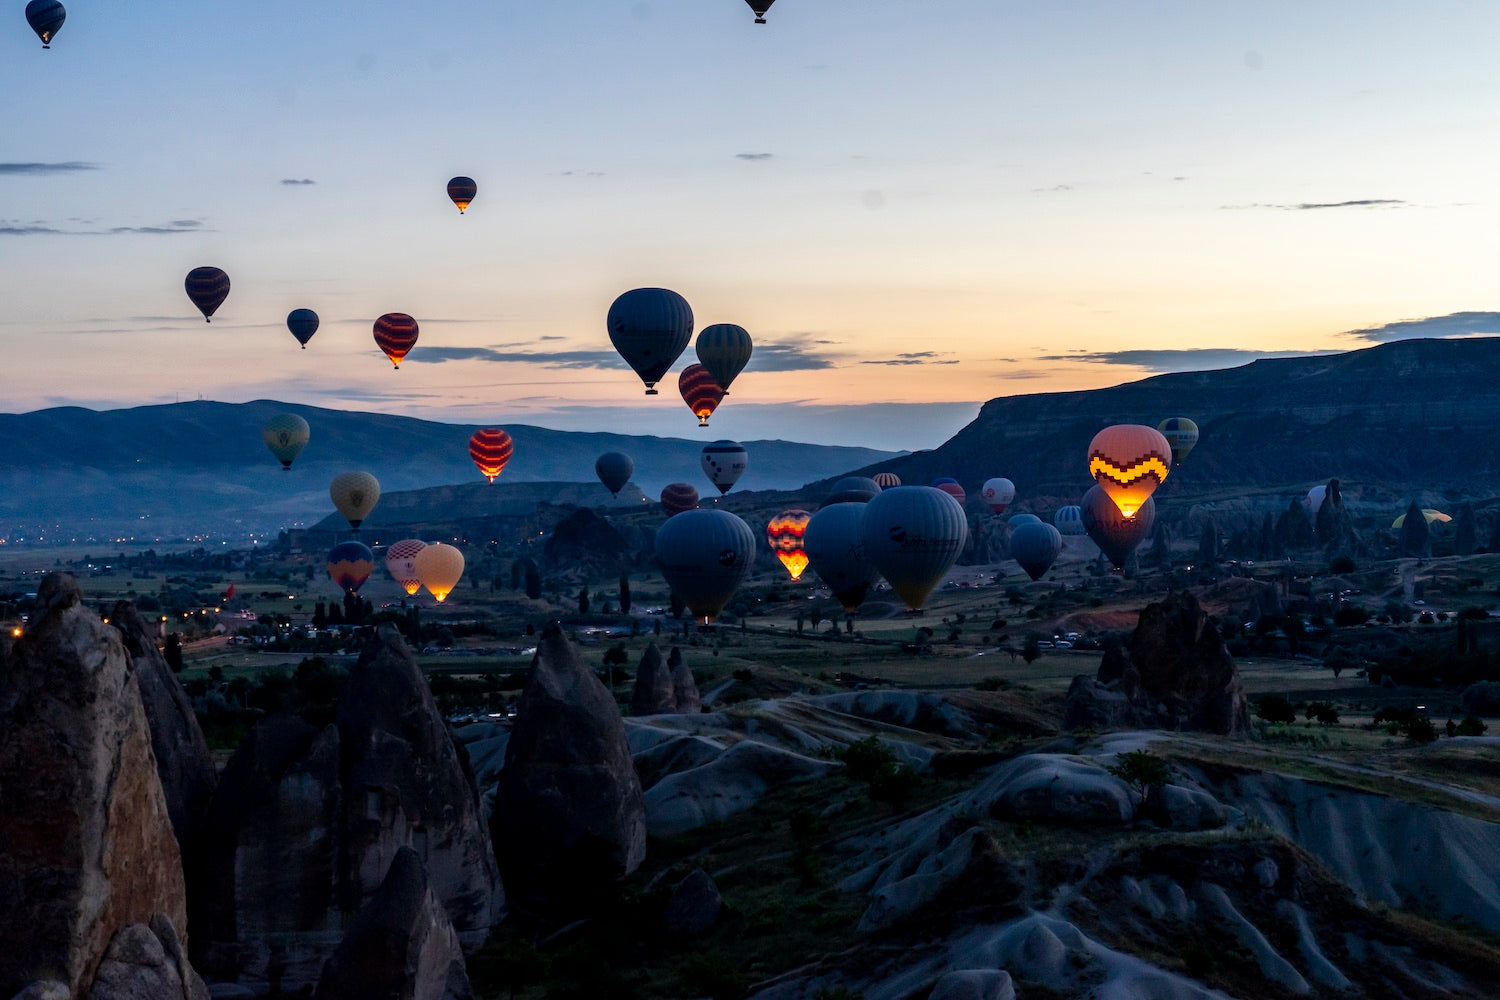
66 167
1459 324
1312 206
297 181
1192 359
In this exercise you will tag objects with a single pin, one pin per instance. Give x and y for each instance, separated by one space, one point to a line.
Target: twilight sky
912 207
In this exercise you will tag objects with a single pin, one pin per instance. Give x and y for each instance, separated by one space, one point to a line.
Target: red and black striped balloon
700 392
207 287
395 334
462 191
490 448
678 497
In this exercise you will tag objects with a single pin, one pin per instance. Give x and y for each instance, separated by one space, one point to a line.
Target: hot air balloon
760 7
951 487
852 489
1314 500
401 563
355 494
350 565
704 556
462 191
836 550
650 327
45 18
1129 461
439 567
724 462
1428 514
1181 434
998 493
700 392
885 480
490 448
1035 546
678 497
724 349
303 323
614 469
785 532
1069 520
1116 535
207 287
914 534
395 334
1016 520
286 435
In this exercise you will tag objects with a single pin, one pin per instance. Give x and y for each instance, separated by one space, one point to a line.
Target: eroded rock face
401 945
1177 675
147 963
653 685
86 842
685 696
568 816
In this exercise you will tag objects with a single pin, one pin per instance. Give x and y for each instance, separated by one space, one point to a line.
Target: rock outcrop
147 963
568 817
86 842
653 685
693 907
685 696
1177 675
401 945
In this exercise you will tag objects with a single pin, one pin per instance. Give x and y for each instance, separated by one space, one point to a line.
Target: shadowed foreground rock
1177 674
568 815
88 862
653 685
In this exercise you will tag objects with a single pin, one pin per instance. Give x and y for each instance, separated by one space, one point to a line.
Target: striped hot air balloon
1129 461
490 449
350 565
785 533
462 190
401 563
45 18
395 334
678 497
303 323
885 480
700 392
951 487
207 287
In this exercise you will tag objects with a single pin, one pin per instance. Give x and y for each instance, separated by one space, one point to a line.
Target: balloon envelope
1314 499
724 462
785 533
914 534
951 487
614 469
1035 545
836 550
490 448
462 190
704 556
401 563
1428 514
1069 520
724 350
303 323
852 489
395 334
1181 434
355 494
760 7
678 497
700 392
998 493
1116 535
885 480
46 17
650 327
207 288
350 565
439 567
1129 461
286 435
1016 520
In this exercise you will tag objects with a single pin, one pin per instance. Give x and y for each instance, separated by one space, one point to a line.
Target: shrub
1275 708
1142 771
1421 730
1341 565
1322 711
1350 615
864 758
893 783
1471 726
1482 698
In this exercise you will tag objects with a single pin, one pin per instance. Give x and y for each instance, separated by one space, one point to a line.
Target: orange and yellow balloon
785 533
490 448
700 392
1129 461
439 567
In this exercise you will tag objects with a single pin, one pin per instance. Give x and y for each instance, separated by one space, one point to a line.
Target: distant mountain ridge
202 466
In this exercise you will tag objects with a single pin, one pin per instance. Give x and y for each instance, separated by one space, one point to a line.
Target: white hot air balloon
998 493
724 462
401 563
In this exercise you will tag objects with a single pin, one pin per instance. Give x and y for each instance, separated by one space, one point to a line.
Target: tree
173 652
583 600
1142 771
516 571
1275 708
1031 648
533 578
1466 531
624 593
1325 713
320 616
1208 544
1415 539
614 656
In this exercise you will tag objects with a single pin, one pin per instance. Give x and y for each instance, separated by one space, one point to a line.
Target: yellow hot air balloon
1129 461
286 435
355 495
439 567
1181 433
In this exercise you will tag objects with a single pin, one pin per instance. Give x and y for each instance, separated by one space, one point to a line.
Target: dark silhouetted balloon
836 550
462 191
760 7
207 287
724 349
1035 546
1016 520
1116 535
704 556
700 392
852 489
303 323
650 327
395 334
45 18
914 534
286 435
724 462
614 469
678 497
490 448
785 534
350 565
